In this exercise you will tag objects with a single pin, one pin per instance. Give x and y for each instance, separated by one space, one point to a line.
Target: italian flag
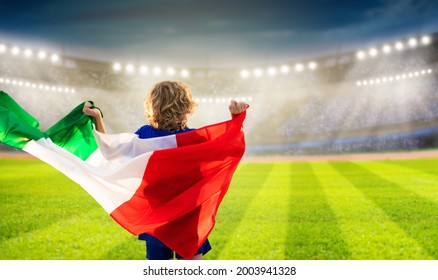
170 187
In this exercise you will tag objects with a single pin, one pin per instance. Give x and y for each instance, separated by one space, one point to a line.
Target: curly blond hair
168 105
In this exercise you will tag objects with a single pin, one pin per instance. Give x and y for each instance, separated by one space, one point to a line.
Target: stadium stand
344 104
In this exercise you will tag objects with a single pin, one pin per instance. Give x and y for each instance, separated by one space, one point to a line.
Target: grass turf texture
301 210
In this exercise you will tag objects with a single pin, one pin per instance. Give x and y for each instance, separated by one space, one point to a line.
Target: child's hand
92 112
237 107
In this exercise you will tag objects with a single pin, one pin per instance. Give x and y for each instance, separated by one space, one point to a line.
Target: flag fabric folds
170 187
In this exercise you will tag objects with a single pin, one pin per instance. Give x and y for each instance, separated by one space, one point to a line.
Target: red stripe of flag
183 187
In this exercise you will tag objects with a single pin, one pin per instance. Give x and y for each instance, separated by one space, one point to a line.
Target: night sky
212 33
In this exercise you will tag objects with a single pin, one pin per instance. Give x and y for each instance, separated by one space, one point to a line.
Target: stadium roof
214 33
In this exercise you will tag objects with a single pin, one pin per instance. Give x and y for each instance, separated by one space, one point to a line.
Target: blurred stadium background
383 97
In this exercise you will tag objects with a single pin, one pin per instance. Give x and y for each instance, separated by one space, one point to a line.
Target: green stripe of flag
17 127
74 132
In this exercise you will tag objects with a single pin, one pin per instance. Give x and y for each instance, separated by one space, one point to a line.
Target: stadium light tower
28 53
129 68
185 73
42 55
54 58
258 72
272 71
244 73
170 71
412 42
299 67
373 52
143 69
399 46
360 55
157 70
117 67
15 50
386 49
284 69
425 40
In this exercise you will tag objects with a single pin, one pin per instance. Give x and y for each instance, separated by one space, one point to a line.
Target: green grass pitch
300 210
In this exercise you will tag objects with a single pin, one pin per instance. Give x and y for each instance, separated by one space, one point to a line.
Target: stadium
340 161
377 99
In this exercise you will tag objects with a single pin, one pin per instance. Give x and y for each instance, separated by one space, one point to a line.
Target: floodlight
371 82
7 81
384 80
399 46
365 83
2 48
117 67
42 55
28 53
170 71
54 58
360 55
423 72
413 42
284 69
373 52
299 67
258 72
272 71
144 69
20 83
157 70
15 50
244 73
130 68
185 73
14 82
27 84
73 90
312 65
425 40
386 49
416 74
33 85
429 71
2 80
359 83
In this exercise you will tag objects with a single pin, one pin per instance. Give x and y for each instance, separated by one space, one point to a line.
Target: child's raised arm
237 107
95 113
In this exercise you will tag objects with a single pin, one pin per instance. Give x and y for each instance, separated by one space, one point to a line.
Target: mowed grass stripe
368 231
313 231
86 236
246 183
417 181
425 165
34 195
262 230
417 216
